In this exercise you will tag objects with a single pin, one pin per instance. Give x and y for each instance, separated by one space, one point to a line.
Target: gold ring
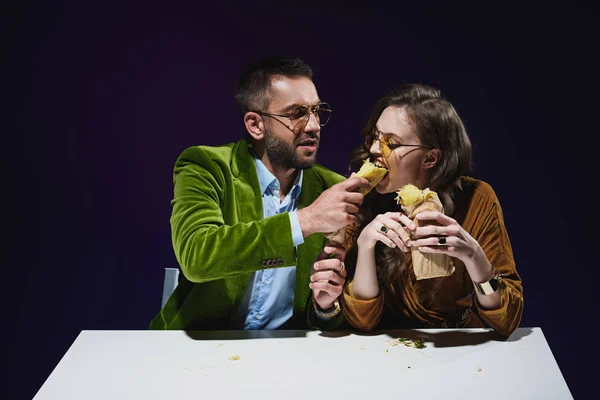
343 266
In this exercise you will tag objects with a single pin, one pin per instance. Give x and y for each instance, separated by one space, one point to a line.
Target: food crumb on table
417 344
234 357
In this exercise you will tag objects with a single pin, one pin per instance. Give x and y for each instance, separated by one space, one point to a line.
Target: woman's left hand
448 237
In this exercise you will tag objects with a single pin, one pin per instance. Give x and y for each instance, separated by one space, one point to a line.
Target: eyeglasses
300 116
385 145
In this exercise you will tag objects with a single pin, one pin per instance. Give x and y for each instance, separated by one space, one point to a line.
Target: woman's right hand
396 231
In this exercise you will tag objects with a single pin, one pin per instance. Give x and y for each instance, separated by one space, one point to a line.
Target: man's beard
285 155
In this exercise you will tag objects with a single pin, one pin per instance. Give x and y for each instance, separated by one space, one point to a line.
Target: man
248 217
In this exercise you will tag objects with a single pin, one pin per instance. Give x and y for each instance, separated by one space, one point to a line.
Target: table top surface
456 363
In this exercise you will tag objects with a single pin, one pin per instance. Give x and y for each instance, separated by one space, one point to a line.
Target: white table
460 363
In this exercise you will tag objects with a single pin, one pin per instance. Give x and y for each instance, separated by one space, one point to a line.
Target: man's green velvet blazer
220 236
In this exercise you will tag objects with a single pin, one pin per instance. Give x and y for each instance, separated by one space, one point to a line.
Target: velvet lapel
245 182
248 199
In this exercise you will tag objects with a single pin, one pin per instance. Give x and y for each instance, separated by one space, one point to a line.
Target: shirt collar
266 179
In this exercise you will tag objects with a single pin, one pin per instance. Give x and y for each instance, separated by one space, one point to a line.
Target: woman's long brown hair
437 124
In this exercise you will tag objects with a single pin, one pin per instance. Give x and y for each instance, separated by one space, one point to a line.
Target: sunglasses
385 145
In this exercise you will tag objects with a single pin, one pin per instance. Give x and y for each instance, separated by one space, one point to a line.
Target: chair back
170 283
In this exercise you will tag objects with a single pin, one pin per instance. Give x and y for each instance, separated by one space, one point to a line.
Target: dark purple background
106 97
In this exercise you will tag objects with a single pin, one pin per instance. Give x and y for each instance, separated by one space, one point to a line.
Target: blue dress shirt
269 299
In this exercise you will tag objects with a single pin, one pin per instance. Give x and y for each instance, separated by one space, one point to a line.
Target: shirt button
257 316
266 281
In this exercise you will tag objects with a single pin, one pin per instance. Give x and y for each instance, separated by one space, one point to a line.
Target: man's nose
312 124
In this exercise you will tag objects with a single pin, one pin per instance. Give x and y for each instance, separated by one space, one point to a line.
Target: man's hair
252 92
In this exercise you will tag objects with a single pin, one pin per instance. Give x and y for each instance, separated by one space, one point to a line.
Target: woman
418 136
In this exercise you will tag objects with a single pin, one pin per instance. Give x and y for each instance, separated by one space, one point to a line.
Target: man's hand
328 276
334 208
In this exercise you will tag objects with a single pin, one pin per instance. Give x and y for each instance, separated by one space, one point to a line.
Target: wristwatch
327 314
490 286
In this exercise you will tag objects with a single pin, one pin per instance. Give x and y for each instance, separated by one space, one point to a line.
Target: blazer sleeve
492 236
205 246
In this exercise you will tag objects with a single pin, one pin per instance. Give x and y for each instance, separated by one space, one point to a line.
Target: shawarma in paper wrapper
413 201
374 175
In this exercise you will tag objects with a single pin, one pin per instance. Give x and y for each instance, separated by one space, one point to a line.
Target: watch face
488 287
